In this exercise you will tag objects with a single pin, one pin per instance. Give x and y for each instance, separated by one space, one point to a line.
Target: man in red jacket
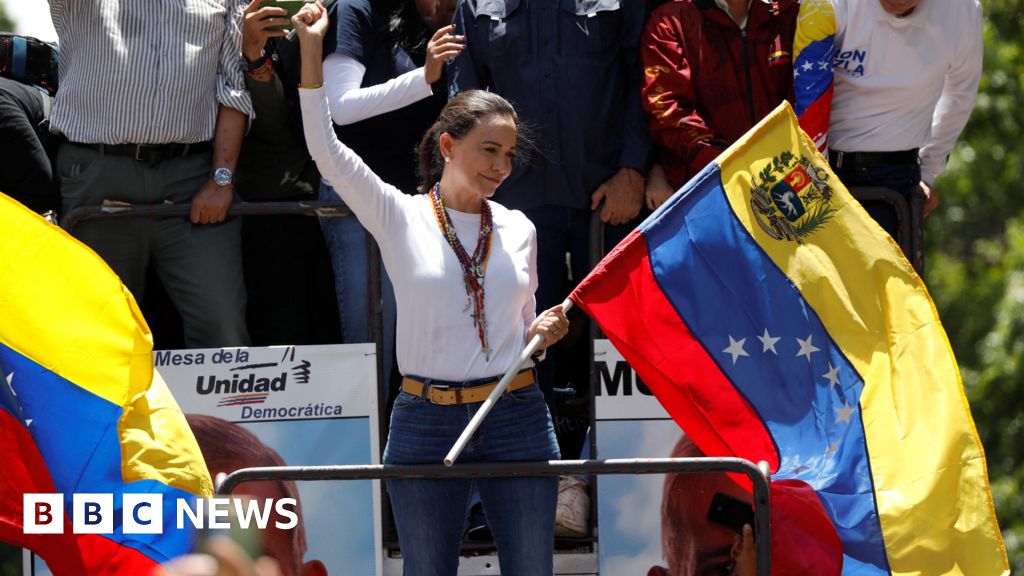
713 69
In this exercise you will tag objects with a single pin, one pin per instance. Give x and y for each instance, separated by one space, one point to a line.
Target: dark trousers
200 265
903 178
289 282
562 231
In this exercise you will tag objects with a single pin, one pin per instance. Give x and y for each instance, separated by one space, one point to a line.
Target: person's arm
958 97
373 201
636 138
231 90
343 76
657 189
349 102
670 99
623 193
210 204
813 48
467 71
355 32
264 86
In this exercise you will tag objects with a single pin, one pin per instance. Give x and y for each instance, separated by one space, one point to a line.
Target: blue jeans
431 513
347 243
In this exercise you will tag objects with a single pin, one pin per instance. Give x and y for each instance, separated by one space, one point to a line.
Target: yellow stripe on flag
926 459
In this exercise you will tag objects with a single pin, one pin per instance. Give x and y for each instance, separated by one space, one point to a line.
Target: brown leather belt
448 395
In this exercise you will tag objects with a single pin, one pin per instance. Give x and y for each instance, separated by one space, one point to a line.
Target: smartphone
291 6
731 512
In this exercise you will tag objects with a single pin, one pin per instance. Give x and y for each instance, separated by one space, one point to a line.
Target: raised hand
442 46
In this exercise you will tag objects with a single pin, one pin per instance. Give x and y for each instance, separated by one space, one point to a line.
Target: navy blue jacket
572 70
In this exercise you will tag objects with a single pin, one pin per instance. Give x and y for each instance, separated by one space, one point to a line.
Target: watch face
222 176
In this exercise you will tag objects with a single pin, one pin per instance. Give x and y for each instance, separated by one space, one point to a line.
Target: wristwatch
250 65
223 176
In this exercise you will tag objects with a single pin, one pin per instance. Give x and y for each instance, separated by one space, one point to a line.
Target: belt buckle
147 155
427 394
839 159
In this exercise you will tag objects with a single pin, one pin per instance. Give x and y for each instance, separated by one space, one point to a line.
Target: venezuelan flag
776 321
814 47
81 409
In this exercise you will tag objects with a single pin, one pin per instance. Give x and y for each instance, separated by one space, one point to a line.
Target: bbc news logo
144 513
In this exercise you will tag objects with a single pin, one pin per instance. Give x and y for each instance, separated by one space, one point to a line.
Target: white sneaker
573 511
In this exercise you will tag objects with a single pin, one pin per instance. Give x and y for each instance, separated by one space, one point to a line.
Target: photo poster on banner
629 423
313 405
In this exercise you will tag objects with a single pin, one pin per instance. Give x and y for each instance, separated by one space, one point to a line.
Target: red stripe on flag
26 473
630 307
815 118
104 556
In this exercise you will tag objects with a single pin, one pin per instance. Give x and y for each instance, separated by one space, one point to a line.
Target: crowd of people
474 140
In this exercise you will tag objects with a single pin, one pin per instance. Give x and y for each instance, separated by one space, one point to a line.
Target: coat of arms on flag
775 321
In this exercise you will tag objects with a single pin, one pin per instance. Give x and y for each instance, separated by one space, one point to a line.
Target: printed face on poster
309 405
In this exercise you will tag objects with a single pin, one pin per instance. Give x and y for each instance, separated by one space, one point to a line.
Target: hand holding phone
292 8
730 512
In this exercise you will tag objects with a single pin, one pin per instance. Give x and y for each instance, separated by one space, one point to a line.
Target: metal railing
758 475
320 208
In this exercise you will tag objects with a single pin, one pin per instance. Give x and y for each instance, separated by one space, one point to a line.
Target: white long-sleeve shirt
903 83
350 103
436 336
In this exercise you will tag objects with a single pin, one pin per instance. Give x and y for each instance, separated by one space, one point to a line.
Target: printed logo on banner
620 394
253 384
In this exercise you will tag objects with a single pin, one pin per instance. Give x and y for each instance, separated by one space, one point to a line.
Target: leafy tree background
975 266
6 24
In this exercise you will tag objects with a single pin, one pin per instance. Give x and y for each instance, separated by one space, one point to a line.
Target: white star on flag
843 414
832 375
10 386
768 343
806 348
808 66
736 348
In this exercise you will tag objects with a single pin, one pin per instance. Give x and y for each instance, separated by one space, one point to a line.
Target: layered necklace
473 267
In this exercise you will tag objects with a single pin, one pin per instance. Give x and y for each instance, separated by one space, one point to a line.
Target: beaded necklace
473 268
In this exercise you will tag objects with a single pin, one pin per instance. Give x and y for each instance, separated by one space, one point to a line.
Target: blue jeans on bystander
347 243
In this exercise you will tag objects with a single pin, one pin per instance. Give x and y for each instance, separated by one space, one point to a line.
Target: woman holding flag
464 272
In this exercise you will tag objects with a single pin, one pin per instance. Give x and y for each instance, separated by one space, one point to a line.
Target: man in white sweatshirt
887 86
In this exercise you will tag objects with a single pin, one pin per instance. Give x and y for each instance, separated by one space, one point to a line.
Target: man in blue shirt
571 68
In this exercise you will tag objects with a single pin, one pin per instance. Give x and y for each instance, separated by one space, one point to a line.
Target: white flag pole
485 408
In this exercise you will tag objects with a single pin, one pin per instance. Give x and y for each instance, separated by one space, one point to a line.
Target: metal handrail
322 208
758 474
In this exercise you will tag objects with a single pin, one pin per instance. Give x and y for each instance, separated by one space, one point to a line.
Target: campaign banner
304 406
630 423
273 383
620 394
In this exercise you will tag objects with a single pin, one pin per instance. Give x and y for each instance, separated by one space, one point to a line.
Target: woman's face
436 13
482 159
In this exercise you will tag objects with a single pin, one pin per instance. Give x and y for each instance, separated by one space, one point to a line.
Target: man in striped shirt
153 106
